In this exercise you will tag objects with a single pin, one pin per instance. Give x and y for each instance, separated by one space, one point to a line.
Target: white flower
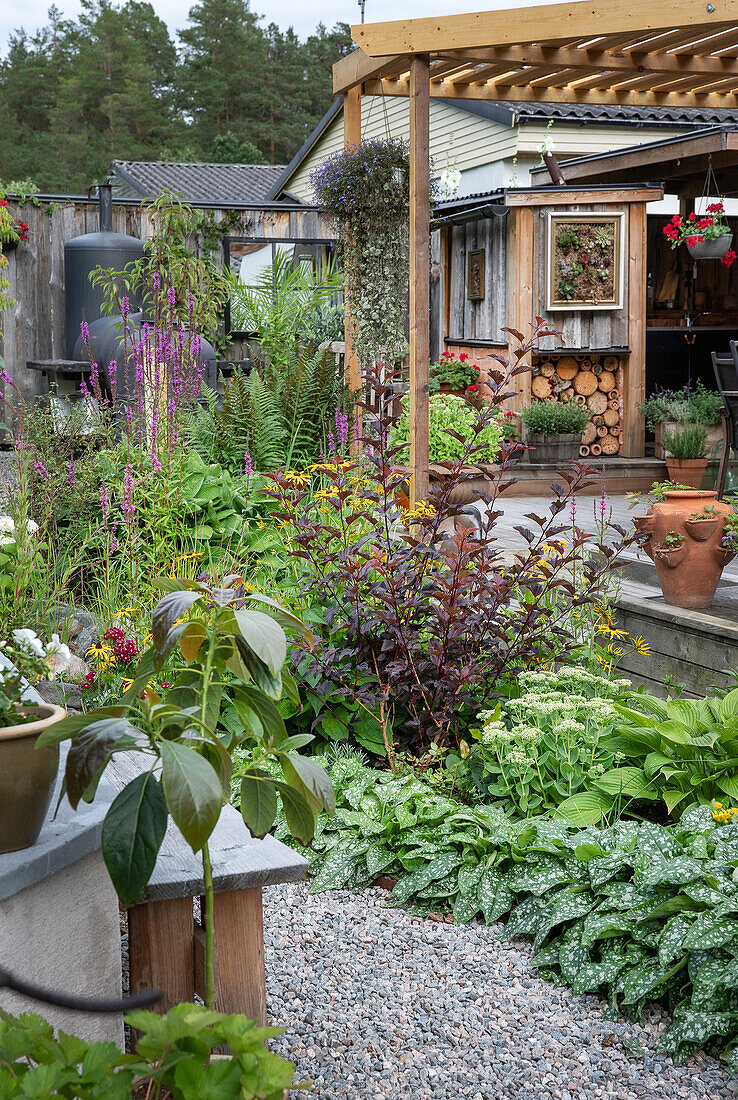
5 539
30 641
7 526
56 645
31 527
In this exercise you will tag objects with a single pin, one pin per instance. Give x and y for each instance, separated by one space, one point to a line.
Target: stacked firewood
594 381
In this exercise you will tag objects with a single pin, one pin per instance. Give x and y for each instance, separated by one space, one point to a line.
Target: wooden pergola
666 53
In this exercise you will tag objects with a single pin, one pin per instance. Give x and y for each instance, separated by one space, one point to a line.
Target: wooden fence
34 328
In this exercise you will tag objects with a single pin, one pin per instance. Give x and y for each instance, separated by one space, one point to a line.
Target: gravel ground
379 1003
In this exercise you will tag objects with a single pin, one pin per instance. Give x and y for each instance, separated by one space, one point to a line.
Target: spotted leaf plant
225 639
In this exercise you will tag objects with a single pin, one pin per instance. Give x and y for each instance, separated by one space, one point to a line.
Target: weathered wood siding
486 318
579 328
34 328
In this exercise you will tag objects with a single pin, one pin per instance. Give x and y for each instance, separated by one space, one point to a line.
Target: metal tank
82 255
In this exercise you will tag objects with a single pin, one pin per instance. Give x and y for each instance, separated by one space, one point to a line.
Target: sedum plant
187 769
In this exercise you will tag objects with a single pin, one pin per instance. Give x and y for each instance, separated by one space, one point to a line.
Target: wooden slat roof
670 53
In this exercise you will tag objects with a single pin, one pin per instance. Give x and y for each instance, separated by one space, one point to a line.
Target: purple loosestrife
342 429
41 469
248 467
104 502
84 329
127 507
172 297
72 477
125 307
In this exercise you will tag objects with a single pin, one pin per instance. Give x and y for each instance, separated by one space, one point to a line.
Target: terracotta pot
27 777
448 387
700 529
687 471
724 556
689 575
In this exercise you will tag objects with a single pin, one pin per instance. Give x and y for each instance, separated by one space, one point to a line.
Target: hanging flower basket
707 236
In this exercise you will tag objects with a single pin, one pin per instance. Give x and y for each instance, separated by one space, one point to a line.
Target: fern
249 419
312 391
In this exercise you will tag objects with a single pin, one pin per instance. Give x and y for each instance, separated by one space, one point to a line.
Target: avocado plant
228 641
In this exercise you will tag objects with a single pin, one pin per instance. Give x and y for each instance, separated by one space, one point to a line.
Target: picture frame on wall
585 261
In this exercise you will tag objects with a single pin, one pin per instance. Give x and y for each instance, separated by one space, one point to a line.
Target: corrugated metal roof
608 112
213 183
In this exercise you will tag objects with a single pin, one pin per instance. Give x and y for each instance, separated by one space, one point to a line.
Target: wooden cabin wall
486 318
34 328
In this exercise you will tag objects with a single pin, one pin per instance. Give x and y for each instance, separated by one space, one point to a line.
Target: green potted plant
452 375
670 550
707 236
686 453
700 525
667 409
553 430
27 772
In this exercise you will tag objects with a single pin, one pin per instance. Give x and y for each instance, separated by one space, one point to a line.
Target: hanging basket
711 250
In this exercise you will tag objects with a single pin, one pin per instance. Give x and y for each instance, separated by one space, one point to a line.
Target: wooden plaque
475 275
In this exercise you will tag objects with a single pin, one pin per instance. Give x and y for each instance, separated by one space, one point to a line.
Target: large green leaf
625 781
264 637
728 784
258 801
69 727
192 790
169 608
310 779
585 808
90 751
266 681
132 833
300 818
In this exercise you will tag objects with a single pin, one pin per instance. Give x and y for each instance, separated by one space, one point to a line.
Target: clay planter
447 387
714 442
700 529
552 449
724 556
27 777
688 575
687 471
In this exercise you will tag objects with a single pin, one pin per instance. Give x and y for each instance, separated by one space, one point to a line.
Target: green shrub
172 1056
686 443
687 406
554 418
450 413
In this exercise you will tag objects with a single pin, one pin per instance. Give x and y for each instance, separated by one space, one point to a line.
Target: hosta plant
680 751
222 636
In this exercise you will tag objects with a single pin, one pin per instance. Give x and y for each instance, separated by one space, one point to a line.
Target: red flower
692 241
473 387
23 230
728 258
704 222
463 357
3 202
692 216
475 367
715 208
676 220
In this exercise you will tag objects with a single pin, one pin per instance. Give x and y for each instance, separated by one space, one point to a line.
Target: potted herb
553 430
691 405
707 236
27 773
452 375
686 457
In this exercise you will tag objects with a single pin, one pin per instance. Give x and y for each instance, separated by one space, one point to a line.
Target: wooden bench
167 946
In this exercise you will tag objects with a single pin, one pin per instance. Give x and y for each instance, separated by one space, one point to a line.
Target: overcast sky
303 17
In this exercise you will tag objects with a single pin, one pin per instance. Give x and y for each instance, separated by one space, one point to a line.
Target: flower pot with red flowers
452 374
9 234
707 236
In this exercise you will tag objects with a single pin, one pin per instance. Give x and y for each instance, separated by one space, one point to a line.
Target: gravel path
379 1004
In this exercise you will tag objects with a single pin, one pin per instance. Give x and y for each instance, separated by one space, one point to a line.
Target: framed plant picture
584 261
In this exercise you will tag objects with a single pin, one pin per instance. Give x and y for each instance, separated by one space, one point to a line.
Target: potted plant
670 550
686 453
707 236
11 232
687 540
666 409
452 375
553 430
702 524
27 773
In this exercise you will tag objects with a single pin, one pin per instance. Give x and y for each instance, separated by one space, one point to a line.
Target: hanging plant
707 236
11 232
364 192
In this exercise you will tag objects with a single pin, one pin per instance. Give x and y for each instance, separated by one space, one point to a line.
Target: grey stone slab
65 838
240 861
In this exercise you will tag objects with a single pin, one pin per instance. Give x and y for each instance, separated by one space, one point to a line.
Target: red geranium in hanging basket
707 236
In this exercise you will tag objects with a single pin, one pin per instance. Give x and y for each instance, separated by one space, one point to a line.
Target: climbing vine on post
364 192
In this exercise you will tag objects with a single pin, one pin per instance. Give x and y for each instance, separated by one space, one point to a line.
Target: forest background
114 84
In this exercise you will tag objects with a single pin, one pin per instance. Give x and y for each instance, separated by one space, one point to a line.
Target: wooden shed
674 55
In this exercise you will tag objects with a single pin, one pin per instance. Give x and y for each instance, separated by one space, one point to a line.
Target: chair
725 366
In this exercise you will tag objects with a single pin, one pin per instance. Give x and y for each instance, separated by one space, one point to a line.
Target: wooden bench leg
240 984
161 952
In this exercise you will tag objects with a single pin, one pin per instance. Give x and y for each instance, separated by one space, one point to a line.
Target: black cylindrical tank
107 343
82 301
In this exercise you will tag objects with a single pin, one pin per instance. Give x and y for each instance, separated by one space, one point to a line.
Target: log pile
593 381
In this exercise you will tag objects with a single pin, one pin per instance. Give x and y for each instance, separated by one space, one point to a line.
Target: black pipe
78 1004
105 198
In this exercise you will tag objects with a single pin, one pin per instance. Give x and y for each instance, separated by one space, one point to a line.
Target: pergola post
352 365
419 274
